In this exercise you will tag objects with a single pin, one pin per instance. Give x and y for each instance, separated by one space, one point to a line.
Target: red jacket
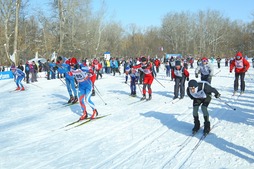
147 68
241 65
157 62
97 66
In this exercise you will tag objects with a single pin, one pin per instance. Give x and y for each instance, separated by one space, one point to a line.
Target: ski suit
19 75
69 79
83 76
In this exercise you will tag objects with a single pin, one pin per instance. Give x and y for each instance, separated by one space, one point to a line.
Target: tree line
72 28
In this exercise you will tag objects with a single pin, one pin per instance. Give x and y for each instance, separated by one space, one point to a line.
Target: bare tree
7 11
15 46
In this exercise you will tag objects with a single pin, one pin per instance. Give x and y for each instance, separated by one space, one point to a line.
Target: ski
85 121
138 101
237 95
69 104
175 100
200 141
188 138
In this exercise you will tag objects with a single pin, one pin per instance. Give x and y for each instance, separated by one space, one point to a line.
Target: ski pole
62 81
99 95
249 76
217 73
140 89
97 89
228 104
159 82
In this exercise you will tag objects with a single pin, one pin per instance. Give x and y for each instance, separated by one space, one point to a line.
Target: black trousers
236 82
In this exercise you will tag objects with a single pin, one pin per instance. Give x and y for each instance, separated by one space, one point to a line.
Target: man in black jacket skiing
200 93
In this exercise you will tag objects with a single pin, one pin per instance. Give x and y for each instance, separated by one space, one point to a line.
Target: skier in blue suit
64 68
83 75
19 75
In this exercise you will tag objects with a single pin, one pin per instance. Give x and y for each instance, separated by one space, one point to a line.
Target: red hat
204 59
67 61
73 61
239 54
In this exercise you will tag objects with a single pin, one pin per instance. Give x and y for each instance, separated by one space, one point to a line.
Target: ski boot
18 88
71 99
196 125
93 92
84 116
150 97
175 97
22 89
95 113
144 97
75 100
207 127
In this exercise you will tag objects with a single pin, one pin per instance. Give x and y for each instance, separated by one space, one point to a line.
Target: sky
153 134
150 13
145 13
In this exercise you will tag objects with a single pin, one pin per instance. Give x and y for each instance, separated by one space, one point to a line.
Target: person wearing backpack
201 94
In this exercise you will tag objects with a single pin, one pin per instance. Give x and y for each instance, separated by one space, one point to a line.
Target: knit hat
13 67
59 58
73 61
193 83
238 55
178 63
204 59
143 59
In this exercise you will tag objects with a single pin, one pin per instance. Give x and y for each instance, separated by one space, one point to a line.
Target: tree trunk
15 46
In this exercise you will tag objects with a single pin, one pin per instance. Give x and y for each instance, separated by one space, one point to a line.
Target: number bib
79 75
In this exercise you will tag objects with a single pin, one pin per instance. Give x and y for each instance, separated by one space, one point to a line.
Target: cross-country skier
83 75
134 79
200 93
180 73
64 68
19 75
205 69
147 68
241 66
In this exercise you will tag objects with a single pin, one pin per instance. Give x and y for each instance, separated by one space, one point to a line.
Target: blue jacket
65 69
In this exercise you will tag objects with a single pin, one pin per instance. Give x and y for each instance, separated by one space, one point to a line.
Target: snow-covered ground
152 134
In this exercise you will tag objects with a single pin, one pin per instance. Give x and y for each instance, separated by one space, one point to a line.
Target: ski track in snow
135 135
131 150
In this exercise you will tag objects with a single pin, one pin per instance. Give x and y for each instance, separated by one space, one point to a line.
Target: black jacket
208 89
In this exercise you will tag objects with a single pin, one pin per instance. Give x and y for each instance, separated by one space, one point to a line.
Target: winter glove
230 71
196 75
188 79
217 95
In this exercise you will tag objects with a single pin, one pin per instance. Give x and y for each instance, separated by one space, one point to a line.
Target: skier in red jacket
241 66
147 68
